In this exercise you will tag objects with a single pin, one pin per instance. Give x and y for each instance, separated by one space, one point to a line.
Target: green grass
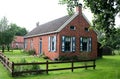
17 55
107 68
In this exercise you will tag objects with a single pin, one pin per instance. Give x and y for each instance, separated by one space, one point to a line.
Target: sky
26 13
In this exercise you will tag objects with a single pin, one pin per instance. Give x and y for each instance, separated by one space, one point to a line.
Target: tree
104 14
6 35
18 31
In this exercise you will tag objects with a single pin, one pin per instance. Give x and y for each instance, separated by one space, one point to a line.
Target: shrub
43 56
35 67
85 56
26 67
31 52
66 58
21 68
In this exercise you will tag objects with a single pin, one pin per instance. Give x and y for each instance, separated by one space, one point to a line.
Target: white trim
86 18
68 21
40 34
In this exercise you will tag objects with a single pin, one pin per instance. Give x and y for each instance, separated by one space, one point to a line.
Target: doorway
40 44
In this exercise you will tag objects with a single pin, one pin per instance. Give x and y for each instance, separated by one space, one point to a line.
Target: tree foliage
7 32
18 31
6 35
104 12
70 5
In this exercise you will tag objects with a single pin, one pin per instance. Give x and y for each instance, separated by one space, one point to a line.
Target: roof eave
68 21
40 34
64 25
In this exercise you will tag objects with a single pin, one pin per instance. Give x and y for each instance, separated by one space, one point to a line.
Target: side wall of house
45 51
80 24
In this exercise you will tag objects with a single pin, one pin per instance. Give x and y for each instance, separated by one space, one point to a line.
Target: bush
43 56
35 67
21 68
26 67
31 52
107 50
66 58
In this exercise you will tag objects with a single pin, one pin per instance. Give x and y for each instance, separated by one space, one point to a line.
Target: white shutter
81 44
90 44
63 43
49 43
55 43
73 44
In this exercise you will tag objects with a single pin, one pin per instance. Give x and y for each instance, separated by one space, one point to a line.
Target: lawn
107 68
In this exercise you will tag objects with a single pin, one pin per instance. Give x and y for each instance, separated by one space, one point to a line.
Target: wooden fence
11 65
5 61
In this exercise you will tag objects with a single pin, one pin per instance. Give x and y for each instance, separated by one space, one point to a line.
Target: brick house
65 36
18 42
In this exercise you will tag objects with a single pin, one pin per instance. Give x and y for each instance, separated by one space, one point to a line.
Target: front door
40 47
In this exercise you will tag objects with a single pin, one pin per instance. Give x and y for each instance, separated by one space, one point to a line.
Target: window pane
52 43
67 44
85 44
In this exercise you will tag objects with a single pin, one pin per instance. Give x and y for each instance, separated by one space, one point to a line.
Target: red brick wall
80 23
44 38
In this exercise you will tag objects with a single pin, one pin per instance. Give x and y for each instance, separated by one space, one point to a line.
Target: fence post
47 66
94 64
12 69
85 65
72 64
8 61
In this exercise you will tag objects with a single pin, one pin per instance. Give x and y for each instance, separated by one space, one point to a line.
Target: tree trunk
3 48
8 47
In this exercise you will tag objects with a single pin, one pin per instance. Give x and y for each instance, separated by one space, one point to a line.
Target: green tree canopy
18 31
104 12
7 32
6 35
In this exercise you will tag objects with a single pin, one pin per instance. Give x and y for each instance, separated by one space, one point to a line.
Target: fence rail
6 62
11 65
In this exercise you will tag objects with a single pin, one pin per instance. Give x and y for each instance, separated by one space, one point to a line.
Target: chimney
79 8
37 24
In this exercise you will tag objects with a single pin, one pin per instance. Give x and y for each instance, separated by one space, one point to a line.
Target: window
86 29
25 43
31 44
72 27
52 43
85 44
68 44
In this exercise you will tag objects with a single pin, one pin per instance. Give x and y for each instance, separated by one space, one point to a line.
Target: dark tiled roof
48 27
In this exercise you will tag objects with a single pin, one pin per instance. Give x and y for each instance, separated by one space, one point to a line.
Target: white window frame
73 27
72 43
89 44
52 43
25 43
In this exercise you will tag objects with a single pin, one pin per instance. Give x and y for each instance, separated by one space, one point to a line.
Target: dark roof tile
48 27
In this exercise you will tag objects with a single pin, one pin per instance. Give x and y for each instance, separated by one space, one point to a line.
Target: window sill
85 52
52 51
